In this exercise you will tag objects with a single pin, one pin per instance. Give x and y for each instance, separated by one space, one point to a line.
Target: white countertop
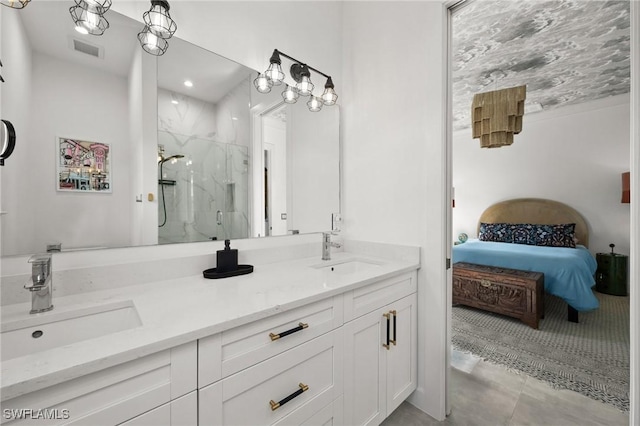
178 311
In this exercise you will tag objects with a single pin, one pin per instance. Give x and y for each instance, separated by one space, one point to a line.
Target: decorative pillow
561 235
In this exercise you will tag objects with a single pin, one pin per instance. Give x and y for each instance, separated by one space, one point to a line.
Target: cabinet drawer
327 416
245 398
180 412
115 394
231 351
366 299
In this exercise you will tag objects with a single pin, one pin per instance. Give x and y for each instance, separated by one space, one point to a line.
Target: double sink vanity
300 340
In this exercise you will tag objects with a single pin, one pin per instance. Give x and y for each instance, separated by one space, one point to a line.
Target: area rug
590 357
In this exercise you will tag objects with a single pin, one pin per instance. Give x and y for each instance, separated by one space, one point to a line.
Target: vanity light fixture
158 29
88 16
15 4
301 74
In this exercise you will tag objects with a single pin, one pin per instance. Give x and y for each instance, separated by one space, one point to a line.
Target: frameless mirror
115 150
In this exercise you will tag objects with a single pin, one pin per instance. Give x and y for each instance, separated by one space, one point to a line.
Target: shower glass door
210 197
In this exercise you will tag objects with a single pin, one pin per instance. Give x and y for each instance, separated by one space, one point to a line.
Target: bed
568 272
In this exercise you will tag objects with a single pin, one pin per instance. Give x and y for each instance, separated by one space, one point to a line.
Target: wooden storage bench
518 294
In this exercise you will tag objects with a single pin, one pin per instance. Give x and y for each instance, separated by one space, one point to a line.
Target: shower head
171 158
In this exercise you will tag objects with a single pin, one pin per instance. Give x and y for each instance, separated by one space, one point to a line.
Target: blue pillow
560 235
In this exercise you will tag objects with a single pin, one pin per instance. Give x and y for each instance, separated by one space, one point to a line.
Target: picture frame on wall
83 166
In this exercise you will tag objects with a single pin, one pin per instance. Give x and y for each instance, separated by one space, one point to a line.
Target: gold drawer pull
485 283
388 317
395 315
301 326
276 405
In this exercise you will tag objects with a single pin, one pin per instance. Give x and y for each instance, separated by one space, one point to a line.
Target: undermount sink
54 329
347 267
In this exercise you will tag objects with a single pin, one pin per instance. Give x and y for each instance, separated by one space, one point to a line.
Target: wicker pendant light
497 115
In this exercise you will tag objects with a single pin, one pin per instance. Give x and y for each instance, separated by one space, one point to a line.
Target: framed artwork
83 166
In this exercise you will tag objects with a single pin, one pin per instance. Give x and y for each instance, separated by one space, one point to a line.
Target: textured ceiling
565 51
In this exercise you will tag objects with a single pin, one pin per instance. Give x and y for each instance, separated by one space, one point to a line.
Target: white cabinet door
180 412
379 377
364 369
402 362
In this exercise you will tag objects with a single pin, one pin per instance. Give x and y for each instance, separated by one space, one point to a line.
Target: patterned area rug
591 357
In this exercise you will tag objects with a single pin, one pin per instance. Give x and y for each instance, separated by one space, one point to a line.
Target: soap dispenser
227 259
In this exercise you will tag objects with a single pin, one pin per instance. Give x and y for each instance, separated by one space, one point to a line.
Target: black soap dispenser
227 259
227 264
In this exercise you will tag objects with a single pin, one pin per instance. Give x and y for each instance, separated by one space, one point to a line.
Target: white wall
16 102
143 142
574 154
274 138
79 103
313 167
394 156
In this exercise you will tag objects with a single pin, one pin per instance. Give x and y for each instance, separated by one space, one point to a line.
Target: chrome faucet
327 244
41 283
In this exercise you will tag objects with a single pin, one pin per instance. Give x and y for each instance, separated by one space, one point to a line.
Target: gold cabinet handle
301 326
394 313
276 405
388 317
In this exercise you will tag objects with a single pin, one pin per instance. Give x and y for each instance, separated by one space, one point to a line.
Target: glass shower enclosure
203 195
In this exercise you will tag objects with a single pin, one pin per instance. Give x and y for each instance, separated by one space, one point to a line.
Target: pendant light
151 43
263 83
158 19
290 95
315 104
274 72
301 74
158 29
88 16
329 96
15 4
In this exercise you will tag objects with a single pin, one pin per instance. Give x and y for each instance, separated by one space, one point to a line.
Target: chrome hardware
301 326
327 244
219 217
41 283
276 405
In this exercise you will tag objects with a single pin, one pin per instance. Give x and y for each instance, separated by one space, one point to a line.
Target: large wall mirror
209 159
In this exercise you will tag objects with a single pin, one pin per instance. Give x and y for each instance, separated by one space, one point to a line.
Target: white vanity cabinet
284 369
380 361
117 394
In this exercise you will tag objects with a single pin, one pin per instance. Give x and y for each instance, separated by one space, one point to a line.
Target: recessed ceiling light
234 118
188 83
174 102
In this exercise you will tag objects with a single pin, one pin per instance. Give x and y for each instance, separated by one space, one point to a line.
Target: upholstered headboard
537 211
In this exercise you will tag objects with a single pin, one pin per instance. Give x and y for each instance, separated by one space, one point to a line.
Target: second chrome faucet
327 244
41 283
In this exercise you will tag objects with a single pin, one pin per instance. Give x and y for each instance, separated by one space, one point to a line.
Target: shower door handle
219 217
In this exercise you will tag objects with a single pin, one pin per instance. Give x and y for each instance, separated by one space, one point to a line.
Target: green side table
611 275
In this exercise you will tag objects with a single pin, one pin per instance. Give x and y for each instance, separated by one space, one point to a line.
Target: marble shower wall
210 198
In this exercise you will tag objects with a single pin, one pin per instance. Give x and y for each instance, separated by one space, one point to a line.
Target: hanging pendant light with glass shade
88 19
315 104
151 43
329 96
158 19
302 76
274 72
263 83
15 4
290 95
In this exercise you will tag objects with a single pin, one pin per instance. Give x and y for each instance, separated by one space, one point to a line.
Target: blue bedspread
568 272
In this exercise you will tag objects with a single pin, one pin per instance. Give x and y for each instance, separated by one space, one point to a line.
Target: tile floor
491 395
